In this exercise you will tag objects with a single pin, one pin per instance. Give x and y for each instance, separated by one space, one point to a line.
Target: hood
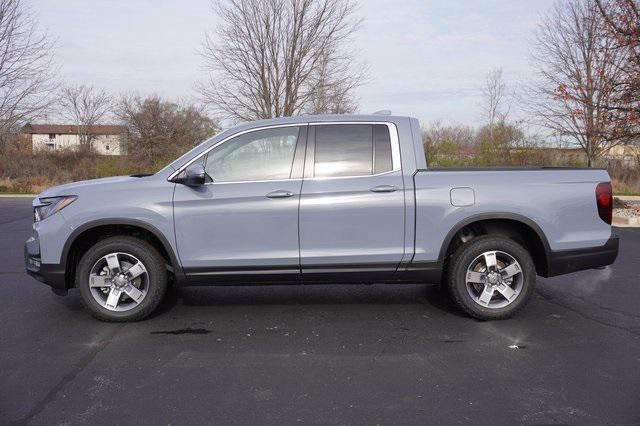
71 188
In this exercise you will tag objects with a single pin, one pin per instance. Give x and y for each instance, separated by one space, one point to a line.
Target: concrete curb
627 197
627 222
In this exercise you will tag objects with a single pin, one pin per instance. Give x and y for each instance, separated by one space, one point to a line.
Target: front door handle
280 194
384 188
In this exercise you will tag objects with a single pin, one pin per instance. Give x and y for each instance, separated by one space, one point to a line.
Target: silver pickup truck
319 199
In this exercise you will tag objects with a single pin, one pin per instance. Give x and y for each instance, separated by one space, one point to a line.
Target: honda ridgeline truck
319 199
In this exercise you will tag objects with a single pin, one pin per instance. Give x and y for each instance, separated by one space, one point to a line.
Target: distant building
106 139
629 154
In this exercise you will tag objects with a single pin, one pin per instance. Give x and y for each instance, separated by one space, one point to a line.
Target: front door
352 203
242 225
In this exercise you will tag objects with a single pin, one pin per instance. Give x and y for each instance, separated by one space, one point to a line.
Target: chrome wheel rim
494 279
118 282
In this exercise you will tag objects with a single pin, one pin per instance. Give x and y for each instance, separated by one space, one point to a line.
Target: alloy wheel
494 279
118 282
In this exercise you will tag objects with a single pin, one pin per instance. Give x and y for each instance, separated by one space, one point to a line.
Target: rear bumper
567 261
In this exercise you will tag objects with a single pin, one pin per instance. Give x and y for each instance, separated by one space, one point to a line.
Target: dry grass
622 187
25 173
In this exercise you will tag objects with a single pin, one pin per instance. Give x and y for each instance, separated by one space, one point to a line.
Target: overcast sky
427 58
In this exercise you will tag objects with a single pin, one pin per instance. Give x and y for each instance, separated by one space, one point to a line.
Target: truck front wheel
121 279
491 277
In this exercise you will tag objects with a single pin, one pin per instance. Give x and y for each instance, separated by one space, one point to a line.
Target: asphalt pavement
342 354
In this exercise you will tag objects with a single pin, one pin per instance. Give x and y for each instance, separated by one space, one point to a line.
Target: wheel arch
515 226
91 232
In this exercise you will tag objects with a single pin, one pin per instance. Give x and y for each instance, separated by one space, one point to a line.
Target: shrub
32 173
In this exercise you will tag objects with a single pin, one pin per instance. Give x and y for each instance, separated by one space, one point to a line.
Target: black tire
467 254
155 280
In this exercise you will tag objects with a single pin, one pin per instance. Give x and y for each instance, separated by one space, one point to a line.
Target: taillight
604 199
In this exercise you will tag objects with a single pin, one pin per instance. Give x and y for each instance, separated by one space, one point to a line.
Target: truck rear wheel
491 277
121 279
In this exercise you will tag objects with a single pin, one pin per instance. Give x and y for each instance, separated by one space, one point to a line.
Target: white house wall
107 145
101 144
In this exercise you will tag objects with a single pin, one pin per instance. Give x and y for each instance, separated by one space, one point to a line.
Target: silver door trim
351 177
254 181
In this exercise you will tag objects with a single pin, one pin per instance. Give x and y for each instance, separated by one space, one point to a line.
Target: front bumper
567 261
51 274
43 251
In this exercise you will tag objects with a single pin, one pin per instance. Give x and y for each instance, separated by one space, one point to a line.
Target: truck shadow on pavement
432 296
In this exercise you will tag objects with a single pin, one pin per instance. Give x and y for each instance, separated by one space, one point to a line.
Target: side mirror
194 175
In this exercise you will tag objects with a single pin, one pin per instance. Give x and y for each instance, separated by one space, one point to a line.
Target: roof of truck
321 118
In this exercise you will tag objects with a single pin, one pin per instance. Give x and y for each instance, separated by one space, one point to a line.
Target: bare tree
577 67
86 106
160 129
623 28
447 145
272 58
496 102
437 133
26 66
333 87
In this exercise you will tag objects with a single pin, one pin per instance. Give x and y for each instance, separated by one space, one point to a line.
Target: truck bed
558 201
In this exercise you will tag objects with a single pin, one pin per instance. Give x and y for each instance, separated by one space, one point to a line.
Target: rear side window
352 150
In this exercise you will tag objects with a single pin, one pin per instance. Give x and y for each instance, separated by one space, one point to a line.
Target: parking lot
321 354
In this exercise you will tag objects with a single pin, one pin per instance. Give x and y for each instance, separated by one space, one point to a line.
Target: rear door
352 203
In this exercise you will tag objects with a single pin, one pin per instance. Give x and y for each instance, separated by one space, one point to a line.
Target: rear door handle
280 194
384 188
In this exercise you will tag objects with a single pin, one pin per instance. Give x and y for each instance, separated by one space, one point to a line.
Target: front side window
260 155
352 150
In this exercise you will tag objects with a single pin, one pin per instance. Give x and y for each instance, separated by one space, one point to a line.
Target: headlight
51 205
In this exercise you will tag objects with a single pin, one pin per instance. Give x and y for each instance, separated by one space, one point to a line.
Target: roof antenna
383 112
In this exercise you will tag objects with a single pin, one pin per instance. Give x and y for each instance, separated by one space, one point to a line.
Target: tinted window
260 155
343 150
382 161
